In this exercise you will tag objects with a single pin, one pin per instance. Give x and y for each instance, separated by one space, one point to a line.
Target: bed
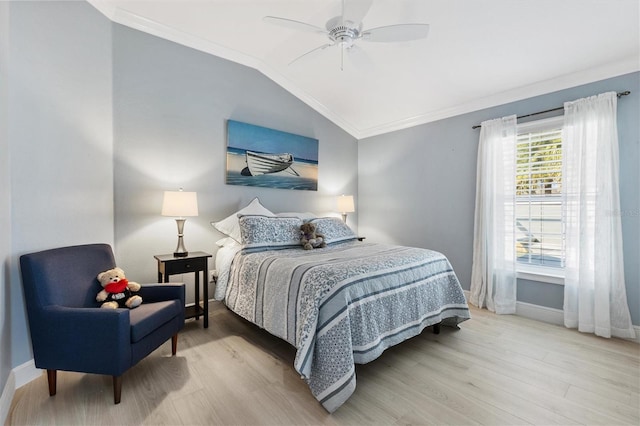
340 305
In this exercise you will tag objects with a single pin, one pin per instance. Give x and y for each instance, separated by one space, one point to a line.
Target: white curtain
595 298
493 277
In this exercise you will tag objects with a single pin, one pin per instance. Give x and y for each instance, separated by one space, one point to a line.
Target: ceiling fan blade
294 25
396 33
324 46
360 59
355 10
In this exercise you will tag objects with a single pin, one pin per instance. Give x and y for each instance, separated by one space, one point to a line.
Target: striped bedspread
343 304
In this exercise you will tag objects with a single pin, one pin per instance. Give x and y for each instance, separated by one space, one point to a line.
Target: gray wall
5 202
171 104
417 186
60 137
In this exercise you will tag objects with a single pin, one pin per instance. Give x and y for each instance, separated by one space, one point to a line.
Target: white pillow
306 216
226 242
230 226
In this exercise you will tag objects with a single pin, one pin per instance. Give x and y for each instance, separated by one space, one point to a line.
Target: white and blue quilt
343 304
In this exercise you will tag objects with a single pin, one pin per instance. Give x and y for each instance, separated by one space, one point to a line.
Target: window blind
539 233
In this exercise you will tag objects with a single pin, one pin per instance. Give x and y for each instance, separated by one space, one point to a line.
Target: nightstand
196 261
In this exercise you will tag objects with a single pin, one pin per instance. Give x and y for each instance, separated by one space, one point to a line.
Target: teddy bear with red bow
117 291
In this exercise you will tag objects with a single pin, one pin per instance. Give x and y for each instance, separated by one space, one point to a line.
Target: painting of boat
269 158
264 163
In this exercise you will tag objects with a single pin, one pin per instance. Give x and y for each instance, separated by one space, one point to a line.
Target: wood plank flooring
495 370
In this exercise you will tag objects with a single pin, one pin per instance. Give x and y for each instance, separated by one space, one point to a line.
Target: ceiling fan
346 29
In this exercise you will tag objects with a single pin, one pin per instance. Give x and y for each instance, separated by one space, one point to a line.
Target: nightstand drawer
185 266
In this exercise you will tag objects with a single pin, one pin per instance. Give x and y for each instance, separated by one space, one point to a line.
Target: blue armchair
69 330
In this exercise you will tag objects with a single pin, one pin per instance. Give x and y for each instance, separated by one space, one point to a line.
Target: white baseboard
7 396
19 376
540 313
26 372
548 315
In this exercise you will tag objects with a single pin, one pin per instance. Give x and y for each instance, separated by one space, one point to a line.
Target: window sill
541 274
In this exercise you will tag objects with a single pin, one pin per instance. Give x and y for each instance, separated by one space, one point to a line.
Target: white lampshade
180 204
345 204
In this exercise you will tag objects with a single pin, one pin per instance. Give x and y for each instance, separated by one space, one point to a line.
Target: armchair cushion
147 317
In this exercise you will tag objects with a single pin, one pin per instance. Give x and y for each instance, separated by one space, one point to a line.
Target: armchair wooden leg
436 328
174 344
117 389
52 379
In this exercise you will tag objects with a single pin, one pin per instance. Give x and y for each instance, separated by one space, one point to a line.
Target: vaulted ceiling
479 53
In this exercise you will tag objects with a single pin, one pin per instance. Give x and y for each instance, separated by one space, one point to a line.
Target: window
539 227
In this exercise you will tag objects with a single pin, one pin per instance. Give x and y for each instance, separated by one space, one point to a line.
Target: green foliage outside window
538 165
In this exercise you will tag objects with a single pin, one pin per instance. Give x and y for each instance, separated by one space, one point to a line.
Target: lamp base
181 251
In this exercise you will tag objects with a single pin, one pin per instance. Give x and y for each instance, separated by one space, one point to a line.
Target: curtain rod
621 94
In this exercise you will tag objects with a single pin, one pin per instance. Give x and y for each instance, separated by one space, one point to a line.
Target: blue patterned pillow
269 231
229 226
333 229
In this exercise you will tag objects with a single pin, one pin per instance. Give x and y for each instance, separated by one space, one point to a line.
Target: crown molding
132 20
566 81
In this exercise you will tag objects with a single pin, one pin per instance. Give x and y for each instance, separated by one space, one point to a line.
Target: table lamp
345 205
180 204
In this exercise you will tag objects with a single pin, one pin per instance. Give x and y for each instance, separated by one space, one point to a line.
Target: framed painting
259 156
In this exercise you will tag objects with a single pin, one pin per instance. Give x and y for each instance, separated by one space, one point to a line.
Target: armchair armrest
159 292
93 340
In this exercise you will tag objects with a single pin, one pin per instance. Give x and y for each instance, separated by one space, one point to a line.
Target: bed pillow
334 229
305 216
226 242
269 231
230 226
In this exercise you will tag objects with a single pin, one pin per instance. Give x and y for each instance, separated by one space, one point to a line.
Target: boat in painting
261 163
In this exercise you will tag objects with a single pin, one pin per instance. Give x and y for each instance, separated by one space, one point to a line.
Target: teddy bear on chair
309 238
117 291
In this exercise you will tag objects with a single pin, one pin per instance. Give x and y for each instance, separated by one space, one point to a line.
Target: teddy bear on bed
309 238
117 291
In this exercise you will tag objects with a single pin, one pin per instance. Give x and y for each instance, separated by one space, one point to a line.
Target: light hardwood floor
494 370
